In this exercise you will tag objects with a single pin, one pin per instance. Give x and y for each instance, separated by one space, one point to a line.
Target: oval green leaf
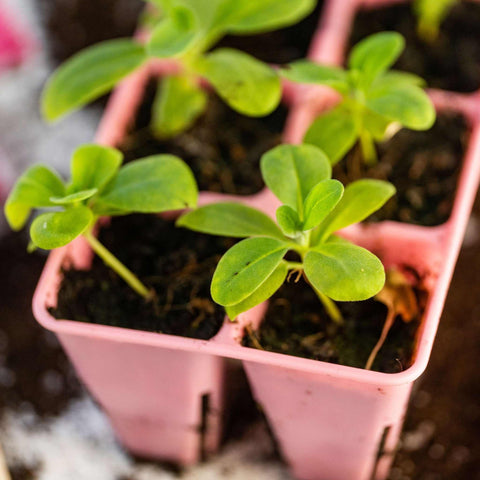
410 106
249 86
171 38
345 273
74 197
334 132
305 71
54 230
230 220
376 54
360 200
248 17
178 103
375 124
93 166
204 11
291 171
151 185
88 75
244 268
321 200
262 293
395 78
33 189
289 221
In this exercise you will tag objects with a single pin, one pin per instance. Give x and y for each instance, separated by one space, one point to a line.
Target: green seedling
314 208
98 187
186 31
374 99
430 16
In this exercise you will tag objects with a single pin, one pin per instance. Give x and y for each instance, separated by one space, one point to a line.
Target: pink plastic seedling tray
332 422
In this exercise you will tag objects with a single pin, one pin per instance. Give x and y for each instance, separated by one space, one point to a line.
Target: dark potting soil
280 46
72 25
176 263
223 148
423 166
296 324
452 62
22 473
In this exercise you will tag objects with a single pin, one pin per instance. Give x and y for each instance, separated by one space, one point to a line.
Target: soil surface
223 148
176 263
452 62
423 166
296 324
280 46
71 26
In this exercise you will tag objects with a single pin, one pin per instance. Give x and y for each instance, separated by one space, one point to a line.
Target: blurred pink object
15 41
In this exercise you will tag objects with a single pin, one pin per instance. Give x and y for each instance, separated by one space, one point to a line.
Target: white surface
24 137
79 445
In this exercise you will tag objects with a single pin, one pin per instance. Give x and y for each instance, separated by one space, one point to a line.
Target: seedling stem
118 266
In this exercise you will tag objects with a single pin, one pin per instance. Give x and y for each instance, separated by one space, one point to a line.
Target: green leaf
360 200
252 16
33 189
410 106
289 221
204 11
53 230
93 166
316 238
249 86
321 200
244 268
88 75
152 185
230 220
305 71
338 239
395 78
178 103
262 293
291 171
171 37
102 210
376 54
74 197
334 132
431 14
345 273
376 124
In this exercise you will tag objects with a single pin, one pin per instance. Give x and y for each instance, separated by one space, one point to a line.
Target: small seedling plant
99 186
430 16
185 31
314 208
374 99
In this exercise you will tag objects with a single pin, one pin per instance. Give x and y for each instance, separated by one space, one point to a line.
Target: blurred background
49 427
